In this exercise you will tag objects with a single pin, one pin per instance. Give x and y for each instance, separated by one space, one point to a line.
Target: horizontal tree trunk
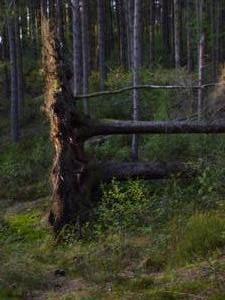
141 170
113 127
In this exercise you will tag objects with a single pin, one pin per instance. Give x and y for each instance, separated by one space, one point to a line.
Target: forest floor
33 266
147 240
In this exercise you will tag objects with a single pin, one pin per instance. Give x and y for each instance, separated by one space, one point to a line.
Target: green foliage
23 165
123 207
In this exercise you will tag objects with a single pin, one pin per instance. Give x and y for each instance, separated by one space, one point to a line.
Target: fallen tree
142 170
74 176
112 127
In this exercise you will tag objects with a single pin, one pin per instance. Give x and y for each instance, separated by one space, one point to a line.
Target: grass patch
201 237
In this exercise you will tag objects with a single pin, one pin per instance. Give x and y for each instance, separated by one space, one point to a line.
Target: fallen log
113 127
143 170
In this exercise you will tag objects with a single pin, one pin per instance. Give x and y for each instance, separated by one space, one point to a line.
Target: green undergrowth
145 240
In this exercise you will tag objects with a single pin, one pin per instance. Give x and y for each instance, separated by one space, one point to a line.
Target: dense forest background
97 39
159 234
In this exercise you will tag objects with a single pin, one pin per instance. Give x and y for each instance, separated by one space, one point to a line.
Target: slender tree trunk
152 34
177 41
5 58
136 72
166 29
85 52
190 59
19 66
15 128
77 49
122 28
201 74
101 42
60 23
131 30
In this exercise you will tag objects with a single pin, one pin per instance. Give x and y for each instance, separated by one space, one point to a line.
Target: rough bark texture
69 173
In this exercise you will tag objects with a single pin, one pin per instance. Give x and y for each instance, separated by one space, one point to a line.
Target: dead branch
145 86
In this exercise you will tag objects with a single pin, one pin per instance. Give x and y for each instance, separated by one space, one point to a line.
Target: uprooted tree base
74 176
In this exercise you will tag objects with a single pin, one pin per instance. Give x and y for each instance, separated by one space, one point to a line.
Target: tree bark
190 59
60 24
19 66
85 52
166 29
77 49
115 127
140 170
69 173
136 72
101 42
130 14
177 41
15 127
123 36
201 74
152 33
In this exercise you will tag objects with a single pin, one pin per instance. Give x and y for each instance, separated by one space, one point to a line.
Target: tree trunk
5 58
130 13
85 52
166 29
152 33
201 74
69 173
177 42
190 59
123 36
77 49
60 23
117 127
101 42
15 127
19 66
136 72
140 170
